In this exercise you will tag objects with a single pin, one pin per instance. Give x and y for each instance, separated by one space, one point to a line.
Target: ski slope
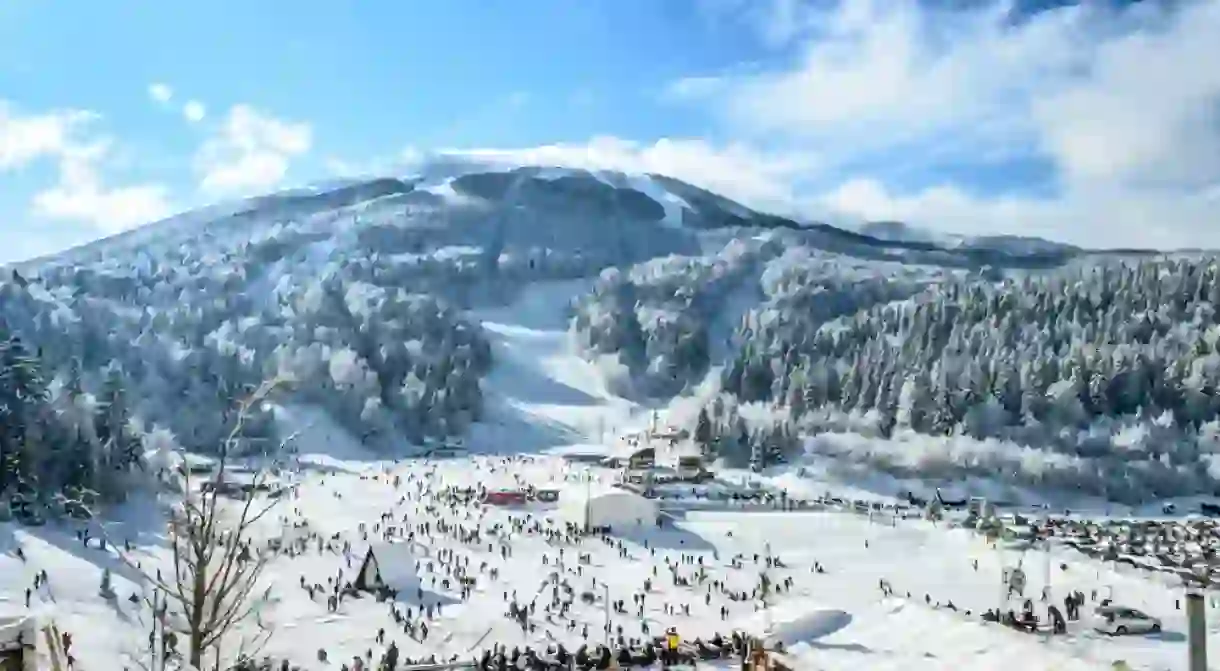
541 393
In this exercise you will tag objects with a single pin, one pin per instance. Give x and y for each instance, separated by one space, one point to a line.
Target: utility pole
1196 623
765 588
606 608
1050 598
588 499
1003 600
1046 548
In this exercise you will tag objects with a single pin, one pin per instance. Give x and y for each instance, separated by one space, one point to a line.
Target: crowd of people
555 657
604 597
463 548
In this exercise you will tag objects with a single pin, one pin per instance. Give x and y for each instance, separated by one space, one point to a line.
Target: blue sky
1039 118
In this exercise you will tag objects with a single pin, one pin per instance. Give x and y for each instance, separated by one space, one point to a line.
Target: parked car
1120 621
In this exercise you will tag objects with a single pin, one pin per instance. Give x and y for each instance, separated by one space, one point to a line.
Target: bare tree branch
216 574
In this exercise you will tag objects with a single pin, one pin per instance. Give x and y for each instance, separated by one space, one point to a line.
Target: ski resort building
614 508
642 458
388 565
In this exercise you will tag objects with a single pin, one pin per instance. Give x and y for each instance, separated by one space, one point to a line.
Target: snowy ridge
897 231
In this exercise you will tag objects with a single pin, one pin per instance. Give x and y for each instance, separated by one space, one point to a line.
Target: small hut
30 642
388 565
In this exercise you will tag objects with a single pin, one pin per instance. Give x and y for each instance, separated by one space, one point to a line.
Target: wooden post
1196 623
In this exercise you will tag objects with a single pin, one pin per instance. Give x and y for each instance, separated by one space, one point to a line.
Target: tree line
1100 377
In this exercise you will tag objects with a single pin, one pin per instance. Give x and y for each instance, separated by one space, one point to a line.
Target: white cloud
1117 101
160 93
81 195
194 111
27 137
1097 218
1142 115
251 150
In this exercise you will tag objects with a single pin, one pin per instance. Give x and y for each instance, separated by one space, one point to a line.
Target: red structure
504 497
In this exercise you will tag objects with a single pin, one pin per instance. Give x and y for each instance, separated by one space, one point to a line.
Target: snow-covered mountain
1016 245
384 300
464 190
537 310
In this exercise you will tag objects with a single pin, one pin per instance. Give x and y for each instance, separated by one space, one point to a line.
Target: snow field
897 633
539 382
923 559
879 633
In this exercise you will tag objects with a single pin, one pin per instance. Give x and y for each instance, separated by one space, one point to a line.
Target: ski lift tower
588 498
764 589
759 657
1046 586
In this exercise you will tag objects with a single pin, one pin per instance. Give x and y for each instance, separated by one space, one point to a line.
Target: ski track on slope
723 327
539 378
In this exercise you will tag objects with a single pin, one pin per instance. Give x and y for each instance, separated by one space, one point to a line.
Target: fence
729 506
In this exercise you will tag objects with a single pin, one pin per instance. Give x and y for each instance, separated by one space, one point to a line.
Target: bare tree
216 566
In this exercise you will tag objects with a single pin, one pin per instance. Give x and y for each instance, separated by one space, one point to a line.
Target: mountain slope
407 309
1016 245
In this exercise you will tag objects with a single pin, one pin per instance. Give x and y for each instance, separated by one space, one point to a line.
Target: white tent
615 508
389 565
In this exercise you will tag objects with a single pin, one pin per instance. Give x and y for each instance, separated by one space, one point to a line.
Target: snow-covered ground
875 632
543 396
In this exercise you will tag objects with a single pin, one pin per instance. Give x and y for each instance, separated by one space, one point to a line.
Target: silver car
1120 621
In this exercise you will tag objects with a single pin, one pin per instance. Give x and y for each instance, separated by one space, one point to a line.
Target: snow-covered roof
11 628
396 563
14 622
607 507
608 494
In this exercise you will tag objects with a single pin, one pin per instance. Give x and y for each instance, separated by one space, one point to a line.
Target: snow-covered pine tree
23 395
